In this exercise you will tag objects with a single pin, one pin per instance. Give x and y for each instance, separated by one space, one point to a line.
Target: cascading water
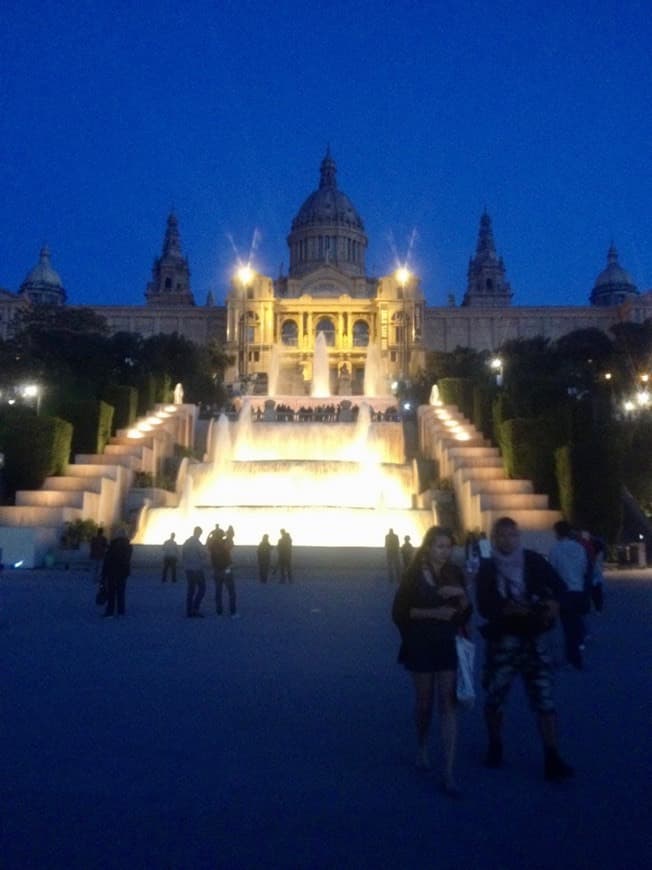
374 382
274 370
321 387
328 483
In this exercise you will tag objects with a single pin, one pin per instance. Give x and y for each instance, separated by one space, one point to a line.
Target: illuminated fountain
274 370
330 484
374 381
321 385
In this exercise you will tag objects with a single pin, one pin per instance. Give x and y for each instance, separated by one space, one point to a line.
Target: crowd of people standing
518 593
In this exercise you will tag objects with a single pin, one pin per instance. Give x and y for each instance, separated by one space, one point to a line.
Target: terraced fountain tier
330 484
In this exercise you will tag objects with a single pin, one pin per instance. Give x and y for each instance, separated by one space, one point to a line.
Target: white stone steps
509 501
70 483
38 516
499 485
125 459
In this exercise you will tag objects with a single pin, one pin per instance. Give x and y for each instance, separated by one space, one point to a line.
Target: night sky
112 113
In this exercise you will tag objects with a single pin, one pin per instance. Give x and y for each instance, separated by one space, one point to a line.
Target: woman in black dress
430 607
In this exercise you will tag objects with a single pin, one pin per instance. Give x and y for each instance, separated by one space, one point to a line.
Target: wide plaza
285 739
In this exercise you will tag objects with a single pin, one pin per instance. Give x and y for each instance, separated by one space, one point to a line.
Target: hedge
458 392
528 446
91 420
125 401
34 448
482 411
589 475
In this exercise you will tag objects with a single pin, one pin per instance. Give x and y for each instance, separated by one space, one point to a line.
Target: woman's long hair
422 553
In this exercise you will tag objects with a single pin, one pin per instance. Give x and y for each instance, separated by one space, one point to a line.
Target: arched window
168 283
325 325
398 321
490 284
290 333
360 334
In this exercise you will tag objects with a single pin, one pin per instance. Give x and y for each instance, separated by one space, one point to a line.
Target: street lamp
496 365
403 276
244 276
33 391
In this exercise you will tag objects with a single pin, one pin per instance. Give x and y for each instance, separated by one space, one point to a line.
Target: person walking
193 559
220 547
98 548
570 560
115 570
264 558
284 557
430 607
170 559
517 593
393 554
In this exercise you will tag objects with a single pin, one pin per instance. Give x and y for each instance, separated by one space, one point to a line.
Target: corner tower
486 281
42 285
170 284
327 230
613 285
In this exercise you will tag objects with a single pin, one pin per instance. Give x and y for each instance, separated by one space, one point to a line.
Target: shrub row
34 448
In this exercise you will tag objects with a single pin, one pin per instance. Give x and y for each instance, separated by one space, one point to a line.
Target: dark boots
555 768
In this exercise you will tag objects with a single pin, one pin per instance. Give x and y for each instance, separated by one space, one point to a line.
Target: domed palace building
273 323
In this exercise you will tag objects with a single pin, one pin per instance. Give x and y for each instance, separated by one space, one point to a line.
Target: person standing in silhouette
220 547
170 559
264 557
284 557
407 551
98 548
393 554
193 557
115 570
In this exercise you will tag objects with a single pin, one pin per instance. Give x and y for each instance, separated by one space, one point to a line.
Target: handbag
465 691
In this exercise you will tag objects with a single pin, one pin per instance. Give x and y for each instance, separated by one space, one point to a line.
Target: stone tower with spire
170 284
486 282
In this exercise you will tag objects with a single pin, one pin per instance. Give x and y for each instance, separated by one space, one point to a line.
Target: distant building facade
269 323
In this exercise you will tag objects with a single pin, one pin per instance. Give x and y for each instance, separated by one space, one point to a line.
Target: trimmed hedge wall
589 475
34 448
125 402
153 388
91 421
459 392
483 411
528 446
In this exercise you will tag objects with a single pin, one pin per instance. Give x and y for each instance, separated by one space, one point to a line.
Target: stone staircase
94 486
483 492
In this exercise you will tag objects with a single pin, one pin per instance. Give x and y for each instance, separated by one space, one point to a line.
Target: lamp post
33 391
244 276
403 276
496 365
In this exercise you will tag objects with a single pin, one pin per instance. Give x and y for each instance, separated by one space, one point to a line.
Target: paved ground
285 739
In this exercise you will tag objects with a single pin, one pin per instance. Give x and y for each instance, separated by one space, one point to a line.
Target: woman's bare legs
424 695
447 710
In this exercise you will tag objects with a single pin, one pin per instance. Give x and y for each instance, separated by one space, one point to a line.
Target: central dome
327 204
327 229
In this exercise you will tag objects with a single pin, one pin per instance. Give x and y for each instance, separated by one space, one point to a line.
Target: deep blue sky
110 113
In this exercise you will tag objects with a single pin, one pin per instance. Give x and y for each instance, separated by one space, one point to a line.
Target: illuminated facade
328 290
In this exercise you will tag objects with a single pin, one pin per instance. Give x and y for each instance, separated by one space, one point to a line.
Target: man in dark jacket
115 570
517 593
